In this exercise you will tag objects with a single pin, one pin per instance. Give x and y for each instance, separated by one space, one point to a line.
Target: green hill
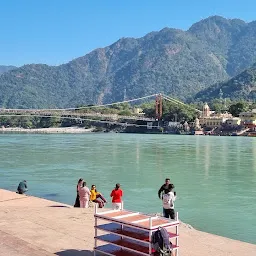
4 69
178 63
241 87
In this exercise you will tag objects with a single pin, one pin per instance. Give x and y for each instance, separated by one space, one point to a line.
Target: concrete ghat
34 226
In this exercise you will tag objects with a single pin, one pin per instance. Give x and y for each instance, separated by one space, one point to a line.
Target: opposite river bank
50 130
215 177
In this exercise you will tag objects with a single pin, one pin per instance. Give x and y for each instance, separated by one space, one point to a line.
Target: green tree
125 112
217 105
26 122
236 109
148 109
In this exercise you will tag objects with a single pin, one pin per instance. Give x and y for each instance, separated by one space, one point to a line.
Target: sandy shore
34 226
47 130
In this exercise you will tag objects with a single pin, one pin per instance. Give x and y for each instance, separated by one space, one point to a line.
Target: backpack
160 242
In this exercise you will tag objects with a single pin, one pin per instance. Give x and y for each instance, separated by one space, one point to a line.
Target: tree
236 109
149 109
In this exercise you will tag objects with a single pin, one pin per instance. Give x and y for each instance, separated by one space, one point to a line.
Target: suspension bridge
92 113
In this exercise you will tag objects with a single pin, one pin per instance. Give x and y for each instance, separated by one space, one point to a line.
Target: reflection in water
159 161
114 149
238 154
207 159
254 155
137 153
224 154
198 151
138 173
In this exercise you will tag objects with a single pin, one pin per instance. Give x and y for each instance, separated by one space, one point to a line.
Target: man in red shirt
116 195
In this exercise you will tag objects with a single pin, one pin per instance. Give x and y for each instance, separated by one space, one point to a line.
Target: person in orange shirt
116 195
97 197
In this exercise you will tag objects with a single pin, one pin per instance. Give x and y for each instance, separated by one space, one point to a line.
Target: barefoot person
22 188
116 195
79 184
84 195
97 197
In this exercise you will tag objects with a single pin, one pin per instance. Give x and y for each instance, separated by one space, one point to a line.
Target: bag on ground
161 243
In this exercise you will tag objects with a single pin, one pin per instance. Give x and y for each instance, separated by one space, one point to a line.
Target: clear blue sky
56 31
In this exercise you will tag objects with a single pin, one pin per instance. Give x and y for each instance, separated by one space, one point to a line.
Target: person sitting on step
97 197
22 188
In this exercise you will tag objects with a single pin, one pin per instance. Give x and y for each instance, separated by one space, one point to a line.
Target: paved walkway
33 226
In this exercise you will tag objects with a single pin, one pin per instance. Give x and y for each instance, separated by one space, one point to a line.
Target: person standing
79 184
163 187
116 195
22 188
84 195
168 202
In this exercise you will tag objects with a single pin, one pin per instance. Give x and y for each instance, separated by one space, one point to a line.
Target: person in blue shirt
22 188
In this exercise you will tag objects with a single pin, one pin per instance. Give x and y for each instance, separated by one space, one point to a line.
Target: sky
54 32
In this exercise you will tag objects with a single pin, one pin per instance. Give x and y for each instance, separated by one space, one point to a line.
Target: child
168 202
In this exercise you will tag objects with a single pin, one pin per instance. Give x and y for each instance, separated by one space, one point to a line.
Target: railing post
95 228
177 234
150 235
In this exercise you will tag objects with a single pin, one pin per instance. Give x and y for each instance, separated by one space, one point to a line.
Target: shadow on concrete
73 252
61 206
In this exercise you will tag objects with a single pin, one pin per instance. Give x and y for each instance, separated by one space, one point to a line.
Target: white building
210 119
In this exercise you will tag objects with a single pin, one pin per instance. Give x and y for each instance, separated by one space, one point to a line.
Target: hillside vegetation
175 62
4 69
240 87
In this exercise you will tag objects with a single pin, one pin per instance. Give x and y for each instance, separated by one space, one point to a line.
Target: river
214 177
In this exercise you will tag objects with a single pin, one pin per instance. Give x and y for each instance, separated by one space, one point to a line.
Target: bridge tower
159 106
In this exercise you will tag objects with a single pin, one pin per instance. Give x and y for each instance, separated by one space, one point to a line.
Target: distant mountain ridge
172 61
232 40
4 69
240 87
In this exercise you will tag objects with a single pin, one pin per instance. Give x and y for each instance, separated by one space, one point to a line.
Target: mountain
225 38
172 61
4 69
241 87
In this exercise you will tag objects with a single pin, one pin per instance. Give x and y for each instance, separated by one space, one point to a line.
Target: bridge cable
93 106
180 102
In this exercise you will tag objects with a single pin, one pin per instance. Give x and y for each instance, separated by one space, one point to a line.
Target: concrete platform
34 226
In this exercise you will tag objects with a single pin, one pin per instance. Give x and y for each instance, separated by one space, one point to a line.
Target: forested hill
241 87
4 69
178 63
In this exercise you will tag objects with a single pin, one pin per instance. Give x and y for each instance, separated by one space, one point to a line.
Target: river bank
35 226
46 130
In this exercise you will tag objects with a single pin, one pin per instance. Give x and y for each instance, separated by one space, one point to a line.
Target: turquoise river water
215 177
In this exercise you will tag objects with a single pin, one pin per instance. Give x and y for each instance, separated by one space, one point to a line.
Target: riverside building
248 119
211 119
